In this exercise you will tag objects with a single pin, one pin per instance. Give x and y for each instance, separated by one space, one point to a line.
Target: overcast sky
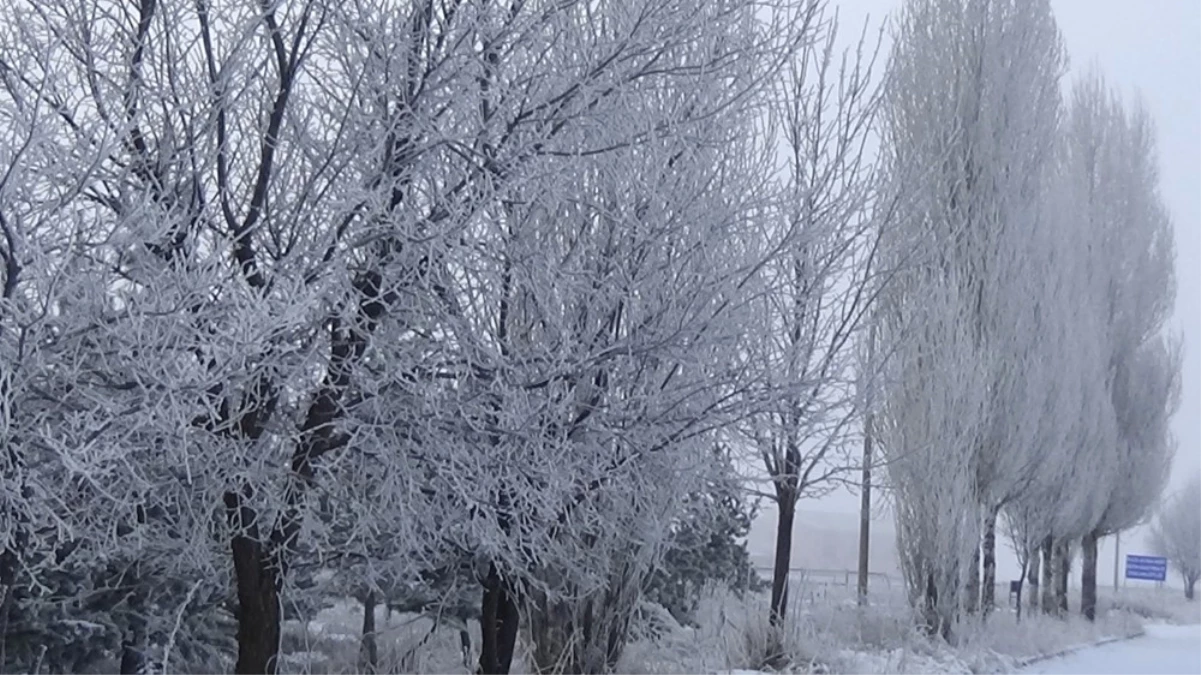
1152 48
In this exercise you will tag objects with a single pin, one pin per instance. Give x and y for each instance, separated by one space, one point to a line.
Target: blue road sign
1146 567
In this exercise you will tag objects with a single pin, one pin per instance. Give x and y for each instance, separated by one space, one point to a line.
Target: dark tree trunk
941 621
1063 572
988 589
1032 578
933 619
499 619
132 659
971 600
261 565
865 501
1021 588
9 561
1088 576
465 647
368 651
13 553
783 560
1190 583
258 608
1048 585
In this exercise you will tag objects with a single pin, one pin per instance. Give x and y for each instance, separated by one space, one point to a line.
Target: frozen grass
834 635
1001 642
825 632
824 635
1167 605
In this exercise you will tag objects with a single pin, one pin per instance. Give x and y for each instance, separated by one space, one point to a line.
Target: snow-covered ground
1164 649
826 632
826 635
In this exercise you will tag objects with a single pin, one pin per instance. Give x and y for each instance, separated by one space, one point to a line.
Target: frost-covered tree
91 559
818 289
1111 152
707 544
215 213
463 274
1071 418
595 315
1176 534
971 115
921 423
1146 390
1076 425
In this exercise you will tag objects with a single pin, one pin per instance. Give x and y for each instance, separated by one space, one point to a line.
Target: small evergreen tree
708 544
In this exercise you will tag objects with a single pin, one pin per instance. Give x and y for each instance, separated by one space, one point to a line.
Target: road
1164 649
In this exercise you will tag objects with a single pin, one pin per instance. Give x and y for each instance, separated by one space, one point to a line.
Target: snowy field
827 633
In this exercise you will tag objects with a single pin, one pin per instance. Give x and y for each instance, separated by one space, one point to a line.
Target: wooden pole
865 499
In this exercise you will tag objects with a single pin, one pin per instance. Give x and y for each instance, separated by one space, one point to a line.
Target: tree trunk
945 612
1190 583
13 553
1063 571
1088 576
865 498
465 647
783 560
368 651
499 619
258 608
1021 587
931 605
9 561
971 600
1032 578
1048 585
132 659
988 595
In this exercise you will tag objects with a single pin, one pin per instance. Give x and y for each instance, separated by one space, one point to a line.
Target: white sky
1152 48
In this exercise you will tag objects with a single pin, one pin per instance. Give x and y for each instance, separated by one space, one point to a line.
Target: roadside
1163 649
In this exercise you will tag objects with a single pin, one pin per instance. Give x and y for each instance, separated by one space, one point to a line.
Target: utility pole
865 509
865 503
1117 548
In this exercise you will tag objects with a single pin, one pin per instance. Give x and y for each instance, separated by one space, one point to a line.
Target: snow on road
1164 649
